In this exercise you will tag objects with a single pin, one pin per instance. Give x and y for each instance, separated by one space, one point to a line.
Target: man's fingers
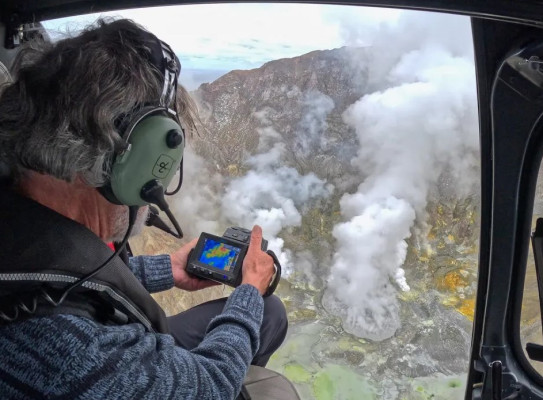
256 239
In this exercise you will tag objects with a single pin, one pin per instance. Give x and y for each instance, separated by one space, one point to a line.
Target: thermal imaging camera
220 258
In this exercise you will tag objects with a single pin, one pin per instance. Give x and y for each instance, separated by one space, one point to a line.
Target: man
60 131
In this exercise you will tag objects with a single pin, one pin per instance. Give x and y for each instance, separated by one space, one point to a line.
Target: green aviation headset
154 142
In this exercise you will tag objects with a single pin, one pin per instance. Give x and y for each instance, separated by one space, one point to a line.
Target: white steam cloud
311 138
421 119
271 195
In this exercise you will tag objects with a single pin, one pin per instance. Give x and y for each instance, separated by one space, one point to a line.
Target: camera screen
219 255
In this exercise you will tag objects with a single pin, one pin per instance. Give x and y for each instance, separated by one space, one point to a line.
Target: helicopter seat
264 384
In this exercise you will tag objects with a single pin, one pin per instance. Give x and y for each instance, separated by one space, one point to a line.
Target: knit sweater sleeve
81 359
154 272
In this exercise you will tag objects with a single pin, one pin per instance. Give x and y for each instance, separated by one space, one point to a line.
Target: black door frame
510 109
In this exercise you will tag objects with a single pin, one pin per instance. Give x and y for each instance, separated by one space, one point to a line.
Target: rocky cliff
302 98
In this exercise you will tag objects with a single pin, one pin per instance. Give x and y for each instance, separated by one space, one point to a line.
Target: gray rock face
301 99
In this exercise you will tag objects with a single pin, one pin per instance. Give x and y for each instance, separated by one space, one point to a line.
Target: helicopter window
350 135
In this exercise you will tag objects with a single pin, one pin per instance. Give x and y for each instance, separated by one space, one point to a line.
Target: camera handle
276 277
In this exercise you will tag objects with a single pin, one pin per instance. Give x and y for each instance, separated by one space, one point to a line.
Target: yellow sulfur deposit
467 308
451 281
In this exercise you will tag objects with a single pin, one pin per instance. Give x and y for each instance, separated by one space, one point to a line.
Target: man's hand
258 267
181 278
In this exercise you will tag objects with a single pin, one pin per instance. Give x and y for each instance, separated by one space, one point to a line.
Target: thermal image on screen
219 255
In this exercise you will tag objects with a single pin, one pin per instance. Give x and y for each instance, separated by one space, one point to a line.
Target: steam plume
271 195
420 119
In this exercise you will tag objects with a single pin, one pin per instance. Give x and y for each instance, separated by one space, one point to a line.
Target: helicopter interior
506 342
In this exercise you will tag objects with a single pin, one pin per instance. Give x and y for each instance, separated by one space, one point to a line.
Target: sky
224 37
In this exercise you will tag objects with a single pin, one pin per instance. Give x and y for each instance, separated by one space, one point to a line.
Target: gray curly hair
58 116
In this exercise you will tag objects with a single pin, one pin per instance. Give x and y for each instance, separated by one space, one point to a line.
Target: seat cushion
262 383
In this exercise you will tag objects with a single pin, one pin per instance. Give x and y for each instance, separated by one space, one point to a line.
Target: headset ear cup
154 151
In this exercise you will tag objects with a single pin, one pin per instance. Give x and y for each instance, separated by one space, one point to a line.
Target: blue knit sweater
71 357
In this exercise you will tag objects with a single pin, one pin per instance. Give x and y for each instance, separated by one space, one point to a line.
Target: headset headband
171 73
164 60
